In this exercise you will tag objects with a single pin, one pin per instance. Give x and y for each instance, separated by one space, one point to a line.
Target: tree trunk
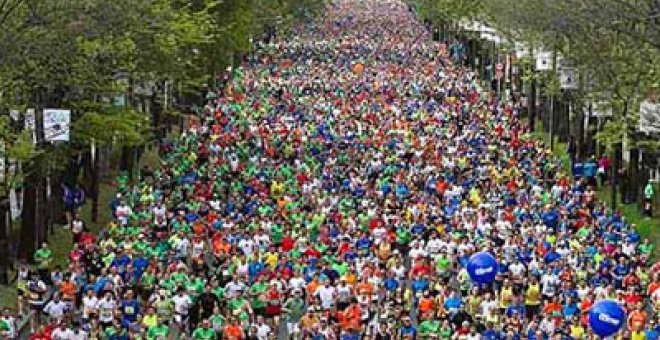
43 214
29 236
634 175
5 231
588 141
531 104
95 185
579 127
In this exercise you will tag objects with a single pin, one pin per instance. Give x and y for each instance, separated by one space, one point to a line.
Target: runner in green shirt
429 328
158 332
204 332
43 256
295 307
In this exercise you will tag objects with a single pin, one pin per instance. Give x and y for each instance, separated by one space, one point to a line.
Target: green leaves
123 128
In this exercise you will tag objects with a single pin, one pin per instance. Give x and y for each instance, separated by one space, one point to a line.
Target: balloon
358 68
482 267
606 317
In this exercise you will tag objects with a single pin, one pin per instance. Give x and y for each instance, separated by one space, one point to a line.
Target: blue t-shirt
590 169
130 309
408 330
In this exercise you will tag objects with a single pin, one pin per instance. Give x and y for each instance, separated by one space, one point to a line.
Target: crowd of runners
335 189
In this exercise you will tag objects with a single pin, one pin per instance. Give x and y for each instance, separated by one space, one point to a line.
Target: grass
60 240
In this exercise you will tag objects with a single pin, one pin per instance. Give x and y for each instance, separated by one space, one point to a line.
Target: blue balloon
482 267
606 317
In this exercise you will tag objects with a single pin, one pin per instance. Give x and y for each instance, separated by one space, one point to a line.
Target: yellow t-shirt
533 295
271 259
506 295
637 335
150 320
577 332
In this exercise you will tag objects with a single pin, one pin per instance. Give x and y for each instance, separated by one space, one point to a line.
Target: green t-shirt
4 326
217 321
236 303
204 333
164 308
158 331
296 309
43 257
219 292
148 280
257 289
443 263
646 248
402 236
180 278
276 231
429 327
341 268
445 333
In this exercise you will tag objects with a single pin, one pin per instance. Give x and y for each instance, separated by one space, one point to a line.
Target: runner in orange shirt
637 318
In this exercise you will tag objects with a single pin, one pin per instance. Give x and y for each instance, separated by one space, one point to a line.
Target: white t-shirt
517 269
89 305
182 303
262 331
60 333
106 310
327 295
79 335
247 246
55 309
297 283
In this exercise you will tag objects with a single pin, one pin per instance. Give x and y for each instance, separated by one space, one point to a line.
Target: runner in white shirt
62 333
107 308
327 294
56 308
90 305
262 329
79 334
182 303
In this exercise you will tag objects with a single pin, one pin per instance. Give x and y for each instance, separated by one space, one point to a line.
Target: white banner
649 117
56 125
543 61
568 78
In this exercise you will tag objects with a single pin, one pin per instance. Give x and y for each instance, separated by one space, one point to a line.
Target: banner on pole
56 125
543 61
649 117
568 78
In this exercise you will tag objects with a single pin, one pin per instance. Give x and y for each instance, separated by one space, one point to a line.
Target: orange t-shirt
364 288
220 246
311 287
233 332
351 317
68 290
551 308
637 319
425 304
